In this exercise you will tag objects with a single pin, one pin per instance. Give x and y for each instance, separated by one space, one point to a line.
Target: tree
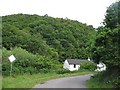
112 17
51 37
107 47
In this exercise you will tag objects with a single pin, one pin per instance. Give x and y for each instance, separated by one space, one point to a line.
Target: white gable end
66 65
70 67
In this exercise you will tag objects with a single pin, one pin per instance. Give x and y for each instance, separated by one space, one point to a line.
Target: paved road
68 82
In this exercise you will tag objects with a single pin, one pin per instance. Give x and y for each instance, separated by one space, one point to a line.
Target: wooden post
11 69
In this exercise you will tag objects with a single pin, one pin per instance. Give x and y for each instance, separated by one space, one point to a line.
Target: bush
105 79
45 70
116 82
88 66
26 62
63 71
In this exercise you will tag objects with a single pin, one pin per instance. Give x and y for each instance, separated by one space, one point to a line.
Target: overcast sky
90 12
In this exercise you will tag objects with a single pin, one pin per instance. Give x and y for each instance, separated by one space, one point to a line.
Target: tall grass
29 81
104 79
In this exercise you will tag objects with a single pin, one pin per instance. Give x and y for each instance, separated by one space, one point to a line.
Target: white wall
101 67
70 67
66 65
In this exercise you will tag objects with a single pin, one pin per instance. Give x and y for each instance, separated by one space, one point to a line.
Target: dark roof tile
75 61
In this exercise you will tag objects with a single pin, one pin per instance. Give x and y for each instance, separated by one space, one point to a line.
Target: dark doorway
74 65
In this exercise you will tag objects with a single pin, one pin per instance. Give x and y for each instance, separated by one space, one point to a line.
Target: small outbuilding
101 67
71 64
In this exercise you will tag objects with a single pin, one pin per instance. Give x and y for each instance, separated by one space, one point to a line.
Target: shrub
63 71
88 66
116 82
45 70
26 62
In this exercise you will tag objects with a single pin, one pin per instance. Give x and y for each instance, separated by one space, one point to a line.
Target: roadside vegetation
42 43
107 50
29 81
29 76
104 79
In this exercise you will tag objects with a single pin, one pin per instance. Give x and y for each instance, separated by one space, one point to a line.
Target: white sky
90 12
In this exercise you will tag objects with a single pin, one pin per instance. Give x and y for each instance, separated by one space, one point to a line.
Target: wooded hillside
54 38
45 35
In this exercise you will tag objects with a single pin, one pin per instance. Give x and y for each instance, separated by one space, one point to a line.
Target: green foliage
26 62
116 82
40 42
29 81
108 39
88 66
106 79
112 17
54 37
107 47
63 71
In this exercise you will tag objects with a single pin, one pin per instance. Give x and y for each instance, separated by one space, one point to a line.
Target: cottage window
74 65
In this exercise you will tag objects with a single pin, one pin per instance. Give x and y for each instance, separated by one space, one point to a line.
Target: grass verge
103 80
94 83
29 81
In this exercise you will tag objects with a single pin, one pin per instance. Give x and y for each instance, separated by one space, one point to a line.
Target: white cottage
71 64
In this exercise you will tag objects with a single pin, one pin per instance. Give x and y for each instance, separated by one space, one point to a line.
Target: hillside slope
56 37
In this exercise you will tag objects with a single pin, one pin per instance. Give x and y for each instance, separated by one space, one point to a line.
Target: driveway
67 82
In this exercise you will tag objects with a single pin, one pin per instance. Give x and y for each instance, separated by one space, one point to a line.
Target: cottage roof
75 61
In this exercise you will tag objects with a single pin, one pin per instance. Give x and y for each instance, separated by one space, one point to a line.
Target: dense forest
43 42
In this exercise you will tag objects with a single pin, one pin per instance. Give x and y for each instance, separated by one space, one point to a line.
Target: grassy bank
0 82
29 81
104 80
95 83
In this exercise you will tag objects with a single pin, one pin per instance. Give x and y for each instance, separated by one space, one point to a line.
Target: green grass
107 79
29 81
0 82
98 81
93 83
